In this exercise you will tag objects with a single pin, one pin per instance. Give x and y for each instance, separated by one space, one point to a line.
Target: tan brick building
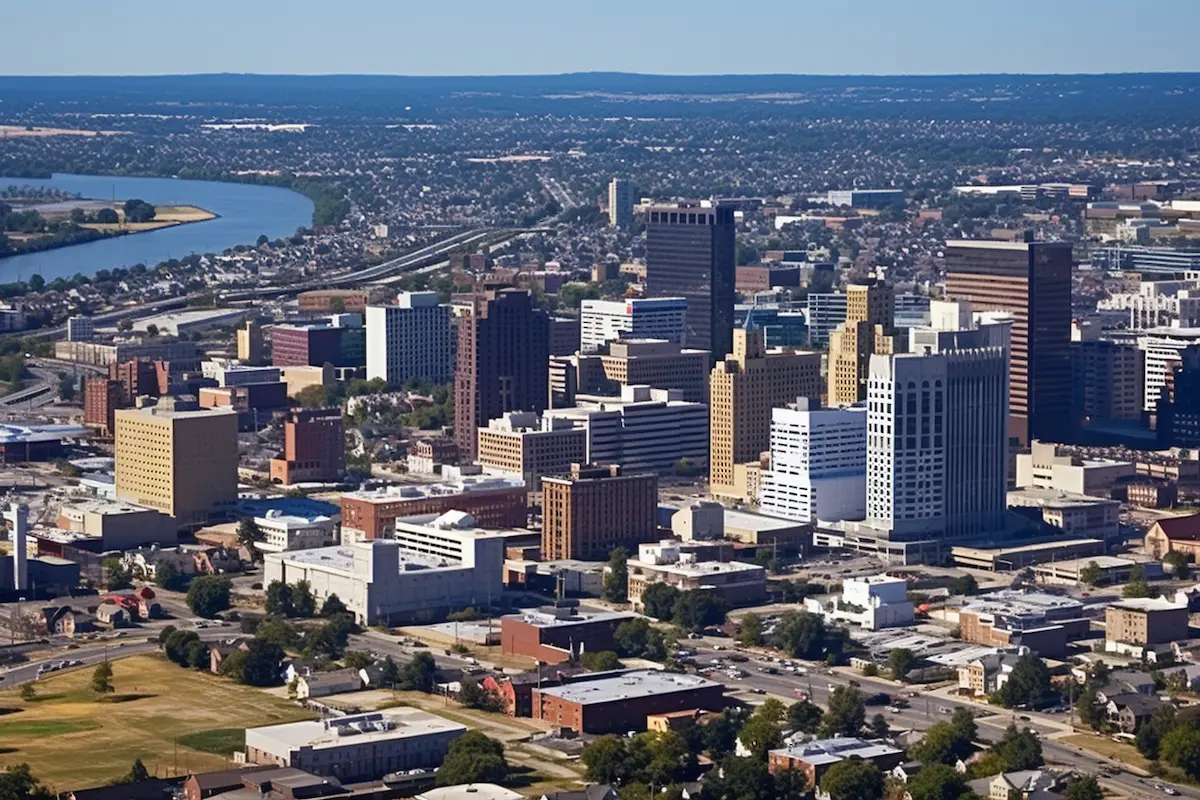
868 330
1146 621
1174 534
595 509
182 463
743 389
523 444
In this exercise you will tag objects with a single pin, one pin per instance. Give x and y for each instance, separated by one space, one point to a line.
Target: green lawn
221 741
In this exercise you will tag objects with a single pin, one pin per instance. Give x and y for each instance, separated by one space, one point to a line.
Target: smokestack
17 516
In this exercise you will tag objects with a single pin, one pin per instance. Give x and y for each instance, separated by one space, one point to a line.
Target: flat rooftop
1035 547
107 507
341 557
17 434
830 751
757 522
1052 498
1009 601
630 686
544 619
882 579
470 791
1148 604
469 484
1103 562
304 507
386 725
701 568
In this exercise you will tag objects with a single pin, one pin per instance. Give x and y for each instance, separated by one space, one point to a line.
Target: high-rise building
414 338
1162 348
602 321
503 350
818 464
655 363
868 330
594 509
250 348
137 378
1177 408
690 254
183 463
1108 380
80 329
824 311
101 398
1031 281
314 447
743 388
620 204
564 336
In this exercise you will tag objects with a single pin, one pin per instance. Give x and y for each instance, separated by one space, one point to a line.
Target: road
927 708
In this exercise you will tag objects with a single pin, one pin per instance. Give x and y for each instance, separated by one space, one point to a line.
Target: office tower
503 350
183 463
250 348
412 339
620 204
101 398
314 447
743 388
524 445
824 311
868 330
690 254
1108 381
602 321
595 509
1031 281
80 329
1177 408
564 336
818 463
1162 349
976 435
137 378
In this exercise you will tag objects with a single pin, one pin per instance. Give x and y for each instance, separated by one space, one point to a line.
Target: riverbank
88 232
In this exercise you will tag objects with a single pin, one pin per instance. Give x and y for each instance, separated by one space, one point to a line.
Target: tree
937 782
17 783
1180 747
419 674
102 678
1136 589
604 759
943 743
279 599
870 669
853 779
740 779
473 758
1084 788
699 608
138 211
167 575
846 714
276 630
659 601
805 716
152 330
261 240
1178 564
1028 683
357 659
801 634
900 661
28 692
197 655
1018 749
303 602
616 579
1090 574
137 773
333 605
117 576
176 644
1090 712
389 673
965 728
750 630
1151 733
879 726
600 660
209 595
635 638
260 664
473 695
249 535
964 584
719 737
66 387
337 305
107 216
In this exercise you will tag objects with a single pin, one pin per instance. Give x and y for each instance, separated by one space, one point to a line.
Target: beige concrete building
868 330
743 388
522 444
1047 466
1147 620
250 348
592 510
298 378
656 363
182 463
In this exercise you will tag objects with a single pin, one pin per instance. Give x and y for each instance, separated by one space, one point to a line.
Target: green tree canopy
750 630
1084 788
1028 683
659 600
900 661
697 609
600 660
938 782
616 579
419 674
853 779
846 713
102 678
1018 749
209 595
805 716
473 758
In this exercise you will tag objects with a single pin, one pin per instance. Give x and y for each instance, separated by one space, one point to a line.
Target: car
739 657
768 670
945 710
718 647
879 699
832 687
1024 718
894 709
1171 790
759 690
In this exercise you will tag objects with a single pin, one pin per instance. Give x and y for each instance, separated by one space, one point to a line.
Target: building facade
602 321
867 330
314 448
559 634
592 510
620 204
493 502
414 338
527 446
1108 380
622 702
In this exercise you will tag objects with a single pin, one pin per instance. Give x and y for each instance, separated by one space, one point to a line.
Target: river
245 211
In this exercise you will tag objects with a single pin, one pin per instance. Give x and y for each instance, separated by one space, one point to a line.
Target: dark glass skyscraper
1032 282
501 364
690 253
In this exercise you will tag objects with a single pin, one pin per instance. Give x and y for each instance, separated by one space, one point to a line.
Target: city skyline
271 36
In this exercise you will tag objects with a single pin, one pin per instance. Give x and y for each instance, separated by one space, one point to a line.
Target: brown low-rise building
493 502
813 758
1174 534
1150 493
314 447
555 635
595 509
623 702
1146 621
1042 622
333 301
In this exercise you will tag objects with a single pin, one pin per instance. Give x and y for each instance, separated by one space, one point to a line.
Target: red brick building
323 301
305 345
516 691
137 378
314 447
622 702
493 502
553 635
101 397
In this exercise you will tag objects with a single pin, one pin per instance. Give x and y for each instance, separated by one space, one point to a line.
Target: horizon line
593 73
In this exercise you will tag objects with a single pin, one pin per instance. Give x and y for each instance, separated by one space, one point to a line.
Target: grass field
164 217
72 741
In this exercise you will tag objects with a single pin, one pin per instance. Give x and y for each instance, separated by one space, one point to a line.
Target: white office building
643 430
818 464
412 339
602 321
824 312
1162 347
872 602
620 204
282 532
436 564
1158 304
237 375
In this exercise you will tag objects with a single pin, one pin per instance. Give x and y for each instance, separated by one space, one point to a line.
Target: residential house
218 561
1188 674
1027 784
1131 710
67 621
323 684
219 651
905 772
986 674
144 562
1126 682
202 785
149 789
113 615
600 791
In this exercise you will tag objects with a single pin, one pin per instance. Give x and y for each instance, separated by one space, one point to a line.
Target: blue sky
487 37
